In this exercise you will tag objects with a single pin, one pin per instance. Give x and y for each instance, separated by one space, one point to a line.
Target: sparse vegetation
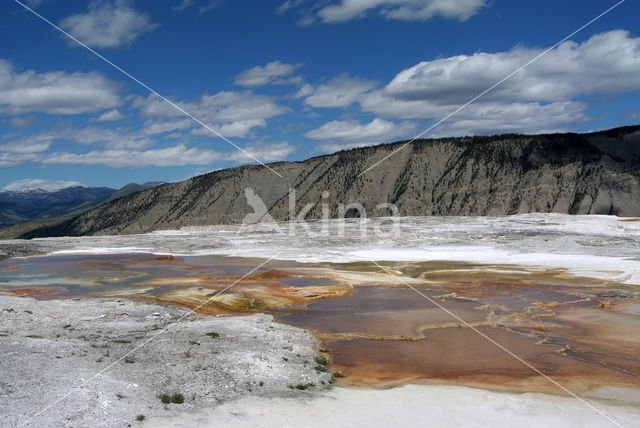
213 334
121 341
303 387
321 361
129 360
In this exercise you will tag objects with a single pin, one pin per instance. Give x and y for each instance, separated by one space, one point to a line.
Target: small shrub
140 418
129 360
337 374
213 334
321 361
322 369
165 398
177 398
261 383
303 387
121 341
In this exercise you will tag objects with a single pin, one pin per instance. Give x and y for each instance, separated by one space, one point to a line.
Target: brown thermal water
581 332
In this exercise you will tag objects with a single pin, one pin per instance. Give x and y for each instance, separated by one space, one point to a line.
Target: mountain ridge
592 173
19 207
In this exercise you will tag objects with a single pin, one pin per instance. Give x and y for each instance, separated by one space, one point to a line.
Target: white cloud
160 127
33 144
108 24
606 63
542 97
345 134
109 116
265 152
404 10
170 156
39 184
25 149
112 138
213 4
8 160
272 73
528 118
230 113
340 91
55 92
183 5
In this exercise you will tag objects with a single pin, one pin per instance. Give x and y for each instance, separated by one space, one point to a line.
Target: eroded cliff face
595 173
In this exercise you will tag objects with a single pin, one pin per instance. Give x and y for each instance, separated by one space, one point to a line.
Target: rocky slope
597 173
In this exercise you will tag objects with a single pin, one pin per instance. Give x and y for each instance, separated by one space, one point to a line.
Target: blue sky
286 80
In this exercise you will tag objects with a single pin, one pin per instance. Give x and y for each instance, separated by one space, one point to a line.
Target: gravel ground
104 362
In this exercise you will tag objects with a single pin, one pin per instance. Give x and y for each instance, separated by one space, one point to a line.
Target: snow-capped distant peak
39 185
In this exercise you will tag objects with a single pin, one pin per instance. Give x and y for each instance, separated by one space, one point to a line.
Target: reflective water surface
580 331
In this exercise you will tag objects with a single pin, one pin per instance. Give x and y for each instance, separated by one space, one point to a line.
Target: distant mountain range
594 173
37 204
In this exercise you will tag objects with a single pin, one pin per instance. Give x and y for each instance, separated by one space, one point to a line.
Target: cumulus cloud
239 128
55 92
39 184
108 24
230 111
109 116
25 149
266 152
160 127
542 97
341 91
606 63
33 144
8 159
272 73
112 138
403 10
349 133
178 155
